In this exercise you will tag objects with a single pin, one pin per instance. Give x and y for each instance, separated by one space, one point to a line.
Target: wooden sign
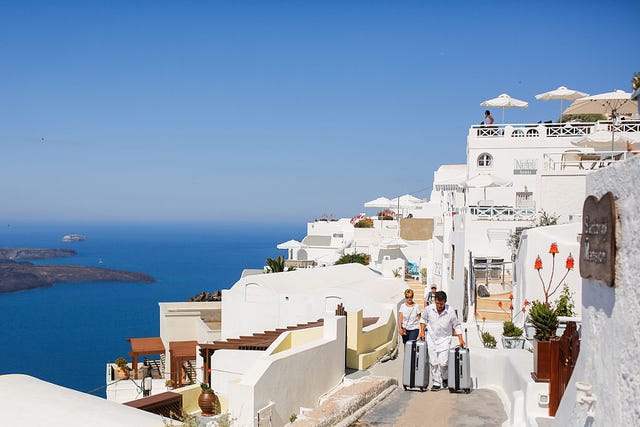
598 245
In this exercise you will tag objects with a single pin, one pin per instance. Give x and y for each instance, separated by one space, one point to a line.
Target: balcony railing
551 130
503 213
576 160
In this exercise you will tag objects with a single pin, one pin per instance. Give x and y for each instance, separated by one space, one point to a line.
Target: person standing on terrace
408 318
488 118
438 319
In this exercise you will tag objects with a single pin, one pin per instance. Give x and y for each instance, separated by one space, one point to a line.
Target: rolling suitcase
459 376
415 372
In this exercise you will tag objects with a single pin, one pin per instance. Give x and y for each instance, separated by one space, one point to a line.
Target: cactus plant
544 319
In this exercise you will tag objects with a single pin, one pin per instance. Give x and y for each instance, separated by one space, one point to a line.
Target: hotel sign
525 166
597 246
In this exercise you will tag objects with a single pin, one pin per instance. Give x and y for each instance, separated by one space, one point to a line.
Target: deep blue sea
66 334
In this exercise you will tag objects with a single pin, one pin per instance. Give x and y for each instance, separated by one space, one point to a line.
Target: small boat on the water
73 238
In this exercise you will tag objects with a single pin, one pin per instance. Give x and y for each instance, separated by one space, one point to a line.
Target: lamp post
147 382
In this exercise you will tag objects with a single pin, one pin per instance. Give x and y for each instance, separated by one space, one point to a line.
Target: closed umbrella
561 94
504 101
485 180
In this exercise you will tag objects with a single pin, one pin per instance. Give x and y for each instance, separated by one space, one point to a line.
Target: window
485 160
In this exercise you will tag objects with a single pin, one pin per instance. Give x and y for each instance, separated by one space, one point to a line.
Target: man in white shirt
439 319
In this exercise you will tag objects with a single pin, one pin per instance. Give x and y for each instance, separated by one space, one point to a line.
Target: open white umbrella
406 201
561 94
605 140
504 101
617 101
380 202
289 244
485 180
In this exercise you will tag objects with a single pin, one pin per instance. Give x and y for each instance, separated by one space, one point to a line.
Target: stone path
481 407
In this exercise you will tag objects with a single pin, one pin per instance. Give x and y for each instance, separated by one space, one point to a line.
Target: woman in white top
409 318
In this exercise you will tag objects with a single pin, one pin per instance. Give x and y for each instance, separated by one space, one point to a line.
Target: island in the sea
19 276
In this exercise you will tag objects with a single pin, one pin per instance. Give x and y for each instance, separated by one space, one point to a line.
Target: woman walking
409 318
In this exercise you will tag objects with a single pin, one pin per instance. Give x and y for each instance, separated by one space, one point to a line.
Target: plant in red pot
545 319
208 401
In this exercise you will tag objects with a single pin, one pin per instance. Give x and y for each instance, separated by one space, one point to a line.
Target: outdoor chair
571 158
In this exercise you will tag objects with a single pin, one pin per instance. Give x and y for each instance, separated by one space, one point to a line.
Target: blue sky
273 110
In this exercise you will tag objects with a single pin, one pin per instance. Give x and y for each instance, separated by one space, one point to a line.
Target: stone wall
610 316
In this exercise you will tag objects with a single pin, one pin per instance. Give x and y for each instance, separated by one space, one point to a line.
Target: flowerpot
542 360
209 404
529 331
513 342
123 374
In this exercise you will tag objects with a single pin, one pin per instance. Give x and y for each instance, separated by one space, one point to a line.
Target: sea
67 333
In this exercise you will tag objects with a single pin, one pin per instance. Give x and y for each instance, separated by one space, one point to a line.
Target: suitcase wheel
467 390
422 389
405 388
451 390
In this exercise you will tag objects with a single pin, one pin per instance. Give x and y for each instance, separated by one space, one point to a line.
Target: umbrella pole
502 117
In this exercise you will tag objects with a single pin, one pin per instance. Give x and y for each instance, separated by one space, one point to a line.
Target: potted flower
544 319
124 371
208 401
488 340
512 334
169 384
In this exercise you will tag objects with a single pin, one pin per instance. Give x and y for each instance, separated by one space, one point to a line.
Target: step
491 303
493 315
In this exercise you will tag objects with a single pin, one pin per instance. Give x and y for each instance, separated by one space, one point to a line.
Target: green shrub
488 340
511 330
353 258
564 303
582 117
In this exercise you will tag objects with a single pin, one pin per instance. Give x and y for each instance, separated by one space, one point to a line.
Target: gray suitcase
415 372
459 377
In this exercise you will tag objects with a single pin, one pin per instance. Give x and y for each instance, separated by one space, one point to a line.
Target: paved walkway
481 407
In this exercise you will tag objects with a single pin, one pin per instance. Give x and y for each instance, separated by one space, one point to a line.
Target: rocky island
18 276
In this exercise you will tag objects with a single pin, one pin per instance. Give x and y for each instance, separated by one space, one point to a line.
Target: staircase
488 308
418 291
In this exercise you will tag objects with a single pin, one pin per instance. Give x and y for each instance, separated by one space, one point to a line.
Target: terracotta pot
542 360
123 374
209 404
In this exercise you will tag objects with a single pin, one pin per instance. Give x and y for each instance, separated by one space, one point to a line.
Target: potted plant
512 336
208 401
488 340
544 319
169 384
123 369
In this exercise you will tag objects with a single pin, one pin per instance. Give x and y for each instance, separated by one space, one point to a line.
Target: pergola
180 352
144 347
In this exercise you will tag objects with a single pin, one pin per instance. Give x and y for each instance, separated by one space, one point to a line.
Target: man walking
439 319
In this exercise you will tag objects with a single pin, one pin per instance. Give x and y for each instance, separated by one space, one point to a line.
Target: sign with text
598 246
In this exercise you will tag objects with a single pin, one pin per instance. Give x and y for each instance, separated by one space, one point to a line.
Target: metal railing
577 160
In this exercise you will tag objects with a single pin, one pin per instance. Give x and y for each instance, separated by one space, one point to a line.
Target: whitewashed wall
536 241
290 379
270 301
562 194
610 316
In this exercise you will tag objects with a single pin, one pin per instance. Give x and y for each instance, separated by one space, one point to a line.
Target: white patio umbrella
504 101
380 202
406 201
561 94
289 245
605 140
617 101
485 180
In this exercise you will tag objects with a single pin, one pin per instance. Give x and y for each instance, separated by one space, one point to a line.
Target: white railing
578 161
551 130
503 213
